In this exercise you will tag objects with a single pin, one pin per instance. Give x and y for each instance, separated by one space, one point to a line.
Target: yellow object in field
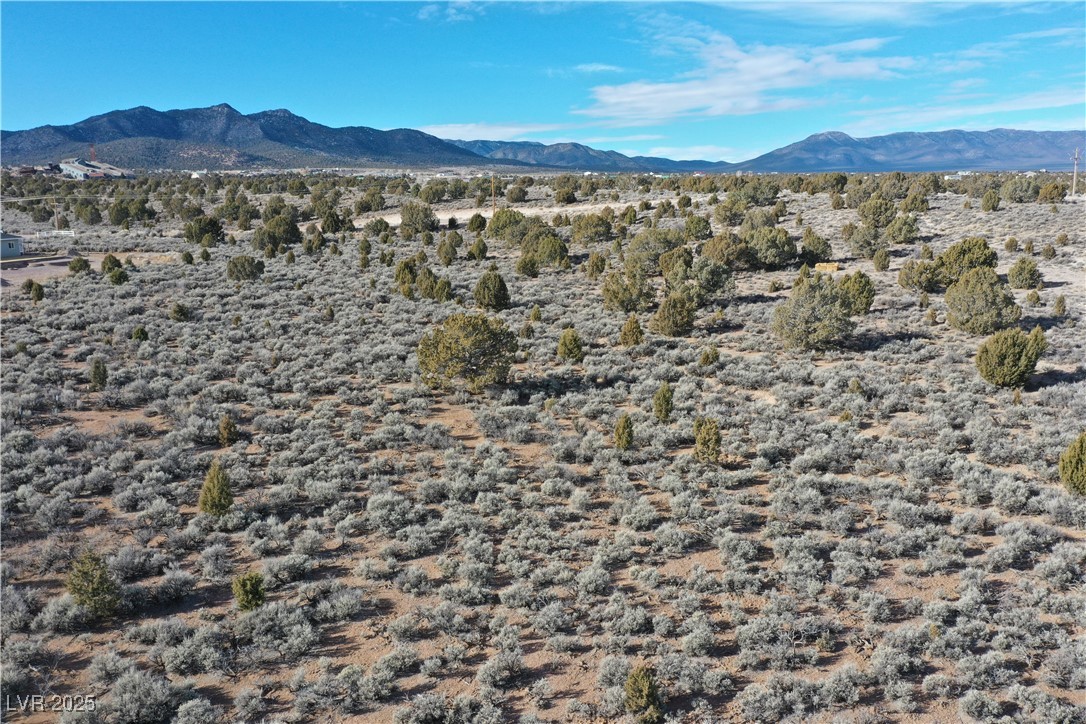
827 266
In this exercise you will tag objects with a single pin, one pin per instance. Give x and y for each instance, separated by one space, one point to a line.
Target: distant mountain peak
221 137
837 136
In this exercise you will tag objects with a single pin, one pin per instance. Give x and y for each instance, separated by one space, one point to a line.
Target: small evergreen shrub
1008 358
815 248
180 313
228 431
215 495
859 292
92 586
595 265
491 292
631 334
570 346
642 697
1024 274
969 253
248 591
979 303
706 439
662 402
244 268
473 348
675 317
1073 466
815 316
624 433
98 374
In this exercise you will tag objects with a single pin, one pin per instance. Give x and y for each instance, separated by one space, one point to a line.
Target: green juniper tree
570 346
631 334
491 291
662 403
624 433
248 591
1008 358
642 697
92 587
215 495
473 348
706 439
1073 466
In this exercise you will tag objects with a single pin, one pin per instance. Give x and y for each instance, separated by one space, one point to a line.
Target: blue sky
720 81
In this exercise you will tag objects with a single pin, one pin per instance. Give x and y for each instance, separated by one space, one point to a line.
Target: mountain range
220 137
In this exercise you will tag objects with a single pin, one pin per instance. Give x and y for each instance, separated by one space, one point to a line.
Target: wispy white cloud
857 46
453 12
981 114
1075 33
490 131
732 79
622 139
851 13
597 68
706 152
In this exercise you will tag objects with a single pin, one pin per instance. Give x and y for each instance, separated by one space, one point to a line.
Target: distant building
11 246
82 170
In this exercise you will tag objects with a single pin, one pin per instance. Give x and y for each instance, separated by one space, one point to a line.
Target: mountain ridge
220 136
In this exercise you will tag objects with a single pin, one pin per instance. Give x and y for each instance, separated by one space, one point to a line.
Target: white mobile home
11 246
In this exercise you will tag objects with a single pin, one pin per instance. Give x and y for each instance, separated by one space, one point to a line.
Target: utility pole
1074 177
494 195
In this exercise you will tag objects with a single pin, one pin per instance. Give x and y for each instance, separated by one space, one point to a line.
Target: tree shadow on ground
1051 378
871 341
